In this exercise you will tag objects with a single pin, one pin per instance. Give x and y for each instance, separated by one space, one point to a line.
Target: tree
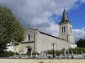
10 28
81 43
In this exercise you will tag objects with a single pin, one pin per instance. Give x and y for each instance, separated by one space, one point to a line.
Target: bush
6 54
49 52
16 53
56 52
33 53
76 50
59 52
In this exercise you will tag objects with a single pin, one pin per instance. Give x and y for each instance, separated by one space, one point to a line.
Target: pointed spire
65 18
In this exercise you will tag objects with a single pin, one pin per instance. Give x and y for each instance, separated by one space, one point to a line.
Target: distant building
39 41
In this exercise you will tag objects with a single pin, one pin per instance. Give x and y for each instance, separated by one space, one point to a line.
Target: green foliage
81 43
59 52
33 53
10 28
16 53
56 52
28 53
41 62
76 50
6 54
49 51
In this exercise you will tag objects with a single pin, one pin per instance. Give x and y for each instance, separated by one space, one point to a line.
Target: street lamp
53 50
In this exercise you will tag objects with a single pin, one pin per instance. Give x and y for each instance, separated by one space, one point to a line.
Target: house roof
50 35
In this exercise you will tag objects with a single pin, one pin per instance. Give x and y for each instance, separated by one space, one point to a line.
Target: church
39 41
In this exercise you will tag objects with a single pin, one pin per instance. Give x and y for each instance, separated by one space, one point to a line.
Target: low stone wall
42 60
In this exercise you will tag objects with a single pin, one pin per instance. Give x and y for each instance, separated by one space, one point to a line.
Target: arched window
28 37
64 29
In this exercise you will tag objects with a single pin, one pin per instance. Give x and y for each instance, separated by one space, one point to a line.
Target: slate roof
65 18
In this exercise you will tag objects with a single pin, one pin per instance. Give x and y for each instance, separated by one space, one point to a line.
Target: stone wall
16 48
31 33
47 41
42 60
25 46
61 44
68 34
38 44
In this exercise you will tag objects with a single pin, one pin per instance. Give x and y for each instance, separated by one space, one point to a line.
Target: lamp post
53 50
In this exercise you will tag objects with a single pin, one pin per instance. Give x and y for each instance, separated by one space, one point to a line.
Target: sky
46 14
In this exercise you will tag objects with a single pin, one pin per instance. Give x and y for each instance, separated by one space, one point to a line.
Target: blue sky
76 16
46 14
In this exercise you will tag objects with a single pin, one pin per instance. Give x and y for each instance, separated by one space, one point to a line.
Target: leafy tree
10 28
81 43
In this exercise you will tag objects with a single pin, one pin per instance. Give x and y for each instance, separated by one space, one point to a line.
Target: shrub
56 52
49 51
76 50
6 54
59 52
33 53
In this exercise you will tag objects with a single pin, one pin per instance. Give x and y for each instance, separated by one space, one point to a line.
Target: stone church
39 41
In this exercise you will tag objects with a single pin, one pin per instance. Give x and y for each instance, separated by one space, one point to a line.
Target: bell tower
65 28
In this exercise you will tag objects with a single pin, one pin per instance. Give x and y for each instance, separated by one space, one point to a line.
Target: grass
41 62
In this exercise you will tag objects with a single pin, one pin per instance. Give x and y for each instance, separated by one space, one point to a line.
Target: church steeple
65 18
65 28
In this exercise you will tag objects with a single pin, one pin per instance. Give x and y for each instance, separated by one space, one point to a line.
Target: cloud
79 33
82 1
39 13
33 12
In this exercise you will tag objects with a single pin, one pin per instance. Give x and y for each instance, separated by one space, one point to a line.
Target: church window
64 29
28 38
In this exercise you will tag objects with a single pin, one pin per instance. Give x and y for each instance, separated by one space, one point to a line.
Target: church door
29 49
